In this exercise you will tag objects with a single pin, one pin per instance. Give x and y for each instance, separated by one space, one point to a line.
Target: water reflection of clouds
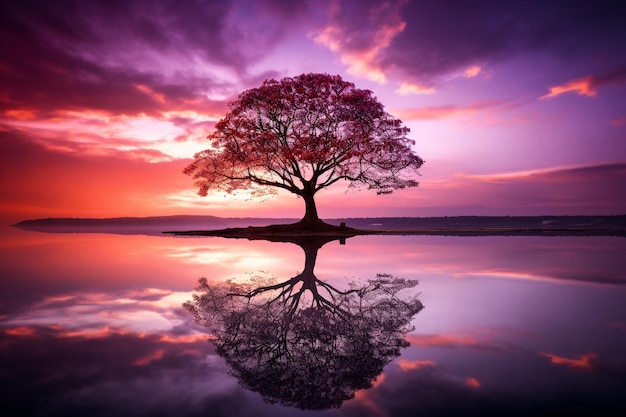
245 261
502 330
113 373
500 386
584 259
147 311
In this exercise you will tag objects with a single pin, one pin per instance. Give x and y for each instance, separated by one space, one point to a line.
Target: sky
518 108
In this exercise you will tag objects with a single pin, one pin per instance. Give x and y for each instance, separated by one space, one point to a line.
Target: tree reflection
303 342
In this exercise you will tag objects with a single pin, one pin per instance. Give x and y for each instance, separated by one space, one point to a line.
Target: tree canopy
303 134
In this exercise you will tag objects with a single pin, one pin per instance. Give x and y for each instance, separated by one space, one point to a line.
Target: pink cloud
472 382
588 86
407 365
414 88
586 362
446 111
365 398
151 357
620 121
21 331
581 86
592 189
428 50
443 341
360 49
61 179
472 71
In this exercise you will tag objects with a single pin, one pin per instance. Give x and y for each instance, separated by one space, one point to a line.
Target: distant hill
140 225
157 225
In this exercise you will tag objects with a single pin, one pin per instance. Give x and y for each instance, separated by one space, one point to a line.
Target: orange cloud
585 362
365 397
442 112
411 88
154 356
21 331
472 382
184 338
582 86
472 71
21 114
437 340
150 92
588 86
95 333
407 365
385 22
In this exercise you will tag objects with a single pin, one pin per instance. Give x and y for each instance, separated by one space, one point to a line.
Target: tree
303 134
303 342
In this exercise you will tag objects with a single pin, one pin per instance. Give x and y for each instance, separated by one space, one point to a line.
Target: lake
94 324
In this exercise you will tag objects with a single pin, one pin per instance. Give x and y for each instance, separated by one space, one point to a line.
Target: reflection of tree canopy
304 342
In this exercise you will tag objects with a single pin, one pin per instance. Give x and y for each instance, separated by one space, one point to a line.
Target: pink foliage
303 134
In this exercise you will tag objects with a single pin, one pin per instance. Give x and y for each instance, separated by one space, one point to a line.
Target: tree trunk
310 213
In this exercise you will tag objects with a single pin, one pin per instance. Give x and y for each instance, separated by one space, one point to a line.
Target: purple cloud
132 57
436 39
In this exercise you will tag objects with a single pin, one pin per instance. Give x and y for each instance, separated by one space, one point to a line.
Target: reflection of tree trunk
326 298
289 290
308 276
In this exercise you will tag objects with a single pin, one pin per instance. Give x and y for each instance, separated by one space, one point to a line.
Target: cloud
407 365
472 382
584 362
133 57
444 341
484 340
153 139
588 189
412 88
360 41
115 374
620 121
589 362
446 111
588 86
582 86
422 42
67 178
472 71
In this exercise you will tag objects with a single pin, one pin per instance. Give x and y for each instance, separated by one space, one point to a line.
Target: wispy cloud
620 121
407 365
588 86
413 88
583 362
447 111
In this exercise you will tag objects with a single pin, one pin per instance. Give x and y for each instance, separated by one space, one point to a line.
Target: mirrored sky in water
527 325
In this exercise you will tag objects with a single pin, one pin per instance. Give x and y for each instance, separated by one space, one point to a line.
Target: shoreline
282 227
257 233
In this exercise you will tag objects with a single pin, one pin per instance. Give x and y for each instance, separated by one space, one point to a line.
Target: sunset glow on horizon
517 109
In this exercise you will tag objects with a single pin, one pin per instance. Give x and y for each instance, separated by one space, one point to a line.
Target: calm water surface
93 324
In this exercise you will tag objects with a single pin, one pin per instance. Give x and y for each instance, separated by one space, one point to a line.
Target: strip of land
281 227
